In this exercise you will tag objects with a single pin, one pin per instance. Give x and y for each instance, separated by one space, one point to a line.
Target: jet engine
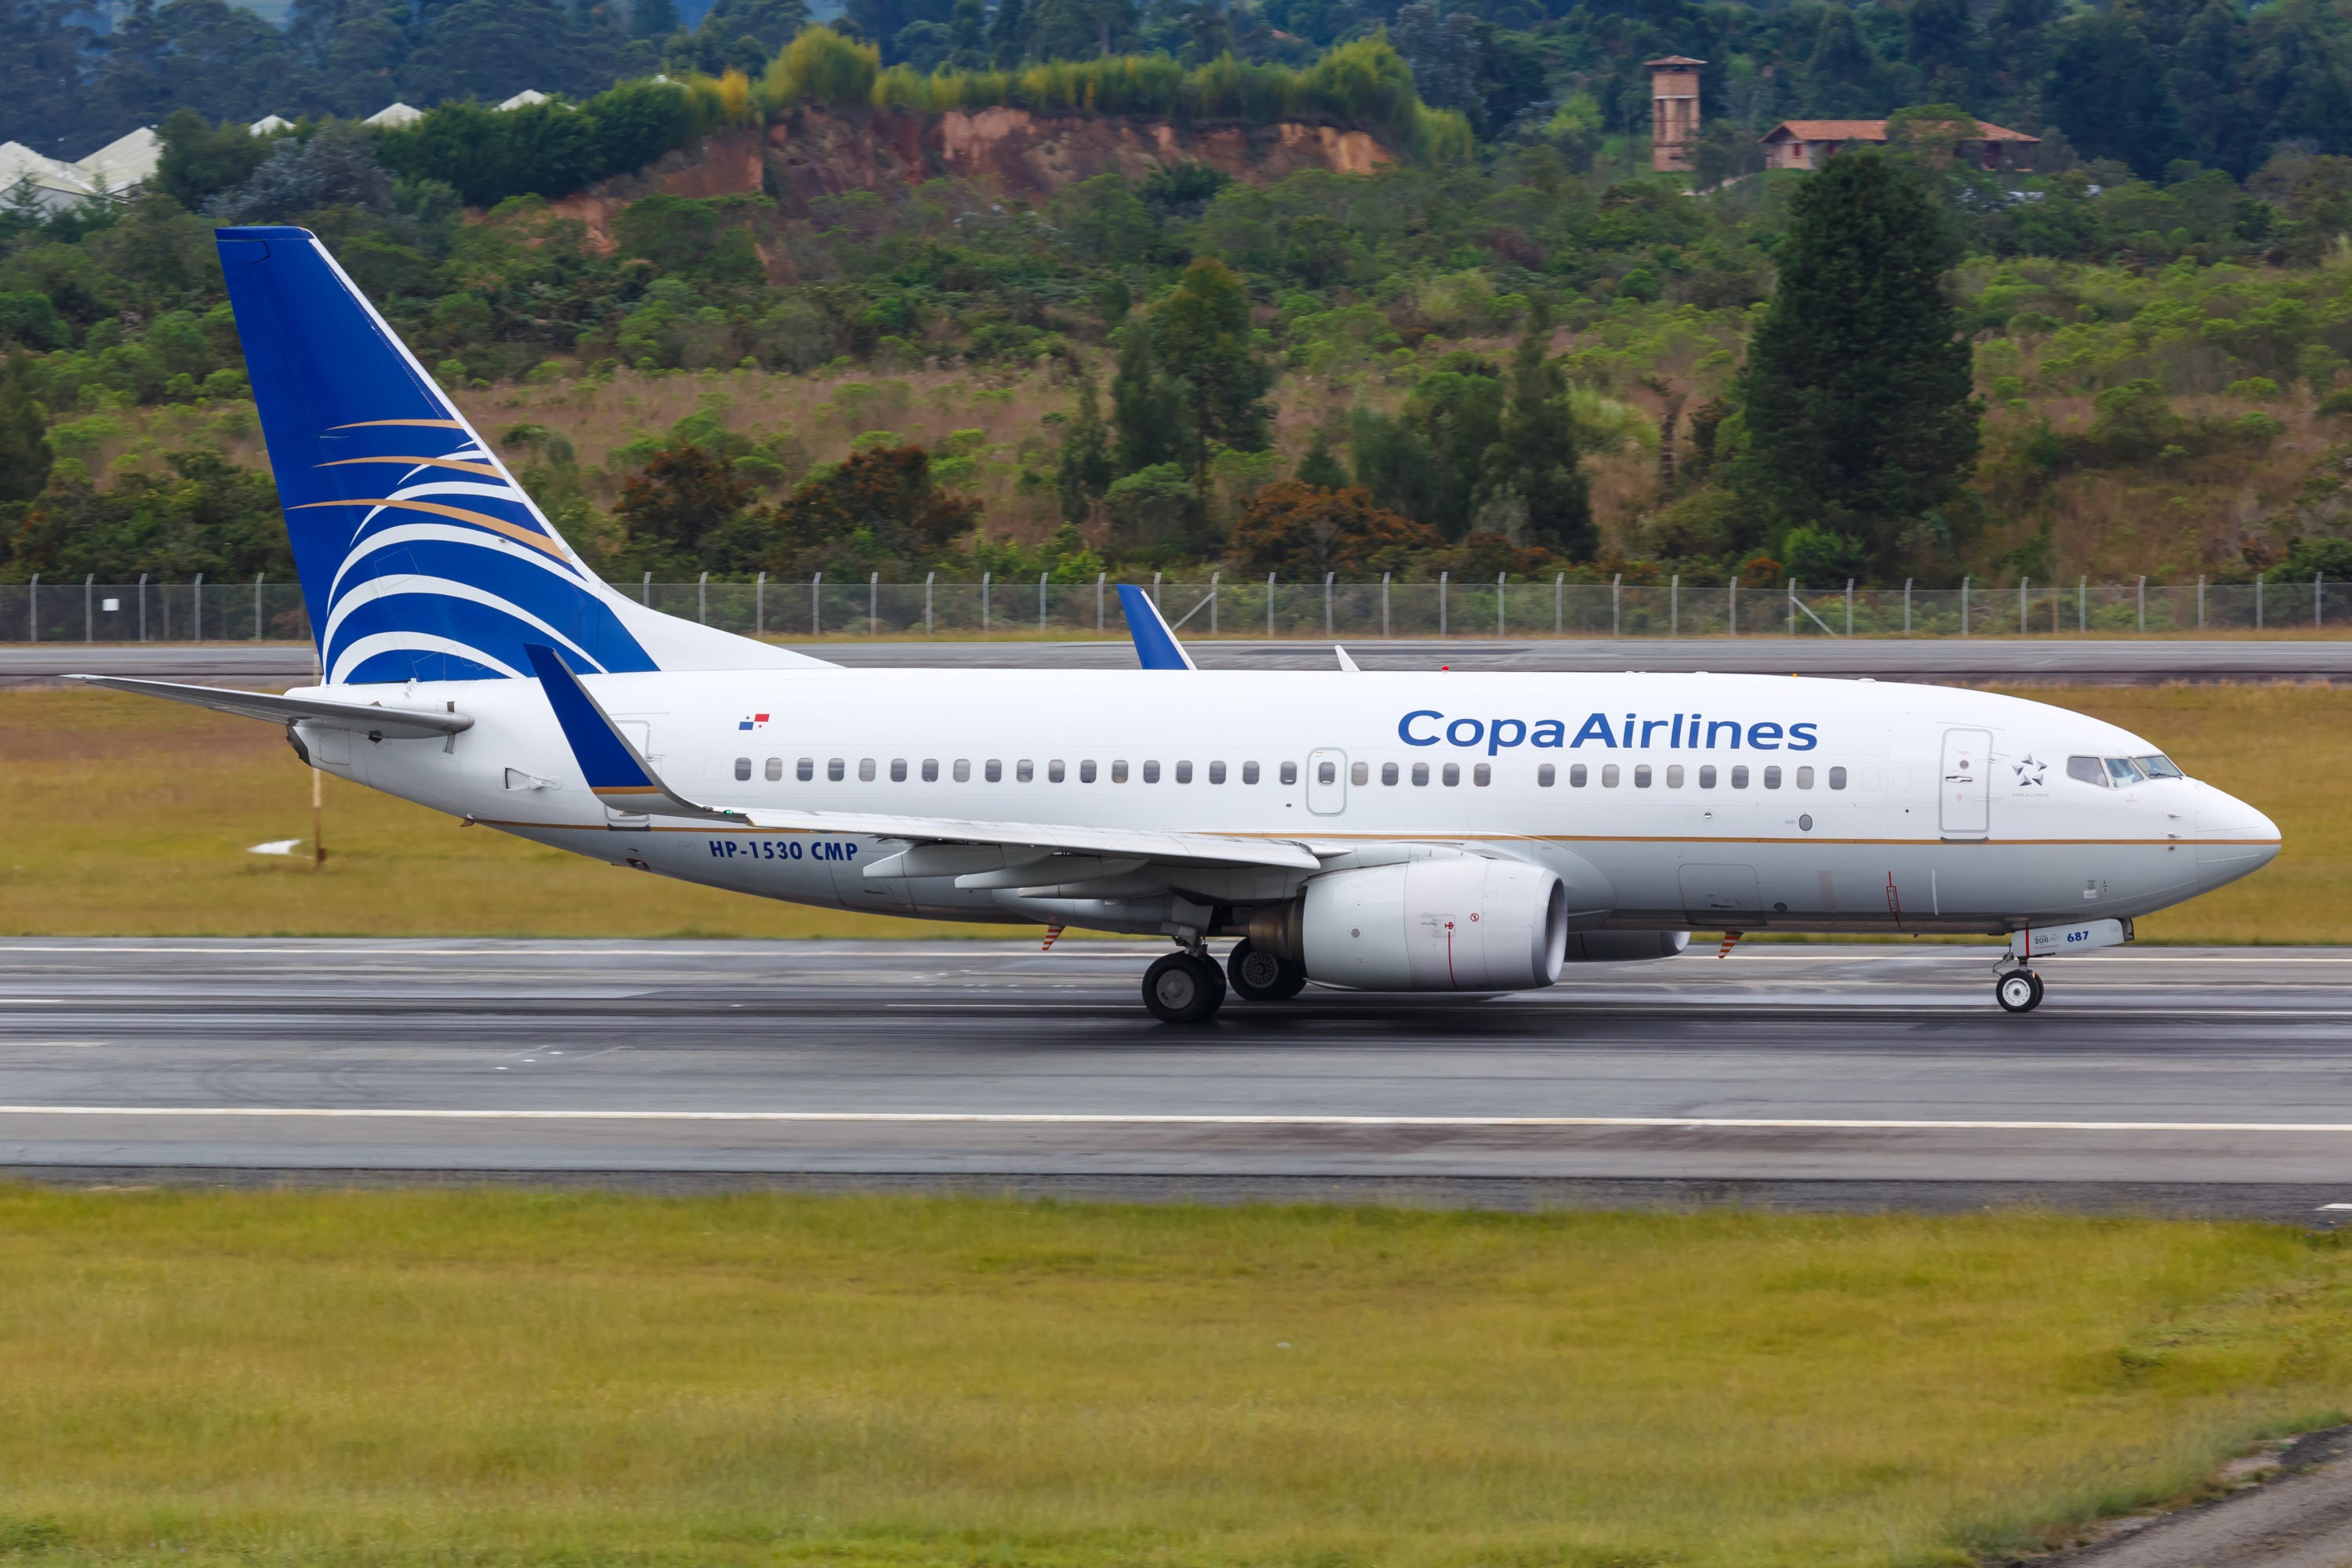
1455 924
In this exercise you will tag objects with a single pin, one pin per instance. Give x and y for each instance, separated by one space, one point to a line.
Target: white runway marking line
1114 1118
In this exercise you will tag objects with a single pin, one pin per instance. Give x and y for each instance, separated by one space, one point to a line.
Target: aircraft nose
2232 838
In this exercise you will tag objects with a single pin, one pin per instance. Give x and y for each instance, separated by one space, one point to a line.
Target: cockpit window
2159 767
2089 769
2123 773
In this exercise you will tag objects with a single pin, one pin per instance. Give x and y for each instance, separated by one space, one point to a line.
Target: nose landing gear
2018 990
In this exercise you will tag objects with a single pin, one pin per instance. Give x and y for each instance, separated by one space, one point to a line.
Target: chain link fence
1250 606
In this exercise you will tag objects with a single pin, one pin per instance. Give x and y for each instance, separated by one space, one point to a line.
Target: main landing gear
1188 986
2017 990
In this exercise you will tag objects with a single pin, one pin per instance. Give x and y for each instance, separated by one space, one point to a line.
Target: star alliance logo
2028 772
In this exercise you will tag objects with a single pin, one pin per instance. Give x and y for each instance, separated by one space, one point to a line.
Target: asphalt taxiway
2181 1080
2053 661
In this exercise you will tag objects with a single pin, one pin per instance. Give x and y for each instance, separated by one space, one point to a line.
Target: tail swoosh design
421 558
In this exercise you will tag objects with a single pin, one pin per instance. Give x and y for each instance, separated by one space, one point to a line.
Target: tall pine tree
1858 401
1533 472
24 454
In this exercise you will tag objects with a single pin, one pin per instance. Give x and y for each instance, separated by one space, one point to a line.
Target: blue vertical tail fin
421 558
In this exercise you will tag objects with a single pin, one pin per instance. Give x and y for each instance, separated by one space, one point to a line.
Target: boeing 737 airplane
1436 832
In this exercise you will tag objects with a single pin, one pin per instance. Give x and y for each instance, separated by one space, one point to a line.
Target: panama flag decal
756 721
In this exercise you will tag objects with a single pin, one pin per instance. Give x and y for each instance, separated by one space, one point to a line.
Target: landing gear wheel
1184 988
1260 976
2019 991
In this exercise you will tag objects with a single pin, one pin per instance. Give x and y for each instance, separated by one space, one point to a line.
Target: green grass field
505 1378
132 817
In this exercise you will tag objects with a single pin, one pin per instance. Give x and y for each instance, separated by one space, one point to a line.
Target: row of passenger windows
1327 773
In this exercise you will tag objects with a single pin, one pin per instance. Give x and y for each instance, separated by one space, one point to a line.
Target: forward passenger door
1964 795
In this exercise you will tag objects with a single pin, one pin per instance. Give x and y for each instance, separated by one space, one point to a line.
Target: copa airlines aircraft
1375 831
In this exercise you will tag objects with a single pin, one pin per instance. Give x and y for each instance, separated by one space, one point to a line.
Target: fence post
1792 584
816 604
142 606
2022 627
1384 604
984 583
1906 607
199 617
928 579
1964 606
2083 604
2143 603
645 591
874 604
1849 606
1215 580
1674 606
1041 602
1499 591
1617 606
702 599
2316 617
1326 603
1269 606
1735 603
2201 601
2258 601
1558 588
89 618
1155 590
1100 578
1442 581
256 605
33 610
759 605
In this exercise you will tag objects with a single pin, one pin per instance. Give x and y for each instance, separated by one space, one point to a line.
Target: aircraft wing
620 776
361 718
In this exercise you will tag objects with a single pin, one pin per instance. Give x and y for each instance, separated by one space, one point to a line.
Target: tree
1302 529
2108 90
678 507
1008 35
1319 467
25 453
1857 401
1147 407
1536 465
1085 469
879 504
1443 53
1201 331
199 161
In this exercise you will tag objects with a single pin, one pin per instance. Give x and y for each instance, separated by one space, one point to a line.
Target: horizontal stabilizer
617 773
373 720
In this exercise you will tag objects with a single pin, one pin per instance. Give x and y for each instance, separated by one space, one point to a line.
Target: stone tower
1674 112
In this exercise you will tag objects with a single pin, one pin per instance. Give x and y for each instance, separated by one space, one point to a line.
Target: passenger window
1453 775
1183 772
2088 769
1023 771
930 770
1577 774
1609 775
2121 772
807 769
742 768
1642 775
1420 773
1706 777
1739 776
1546 777
1290 772
1119 770
1327 773
963 770
775 770
1054 771
1482 775
1837 778
1086 771
1151 772
833 770
1675 777
864 770
897 770
1249 772
1772 778
1805 778
1216 772
1359 773
993 769
1388 773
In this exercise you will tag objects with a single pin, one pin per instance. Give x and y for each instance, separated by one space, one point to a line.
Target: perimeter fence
198 611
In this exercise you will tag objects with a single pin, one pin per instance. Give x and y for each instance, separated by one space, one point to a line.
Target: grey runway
2196 1078
2052 662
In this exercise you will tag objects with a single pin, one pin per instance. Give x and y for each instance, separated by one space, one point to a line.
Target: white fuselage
1670 801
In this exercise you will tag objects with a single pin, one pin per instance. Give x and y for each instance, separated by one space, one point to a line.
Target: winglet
617 773
1349 665
1156 647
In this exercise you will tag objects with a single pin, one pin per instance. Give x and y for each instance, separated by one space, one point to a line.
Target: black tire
2019 991
1182 989
1259 976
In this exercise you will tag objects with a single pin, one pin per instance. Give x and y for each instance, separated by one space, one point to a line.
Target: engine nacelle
1463 925
1625 946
